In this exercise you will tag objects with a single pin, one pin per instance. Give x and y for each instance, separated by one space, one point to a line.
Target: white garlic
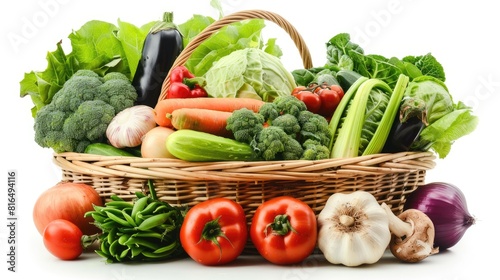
353 229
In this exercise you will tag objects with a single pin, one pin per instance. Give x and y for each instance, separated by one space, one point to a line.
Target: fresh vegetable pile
233 100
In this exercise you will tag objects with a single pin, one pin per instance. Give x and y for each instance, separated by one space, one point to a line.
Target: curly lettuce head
250 73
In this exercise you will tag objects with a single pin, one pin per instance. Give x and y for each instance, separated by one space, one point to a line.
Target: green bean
123 238
136 250
119 204
139 205
115 211
114 249
115 197
112 236
152 255
168 248
124 253
106 226
104 246
161 208
118 219
99 218
153 221
129 219
141 242
148 234
150 208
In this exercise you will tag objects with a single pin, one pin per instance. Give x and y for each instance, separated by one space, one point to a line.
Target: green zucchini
191 145
106 150
347 78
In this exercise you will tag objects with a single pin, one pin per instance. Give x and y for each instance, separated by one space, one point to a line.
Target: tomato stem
280 226
211 231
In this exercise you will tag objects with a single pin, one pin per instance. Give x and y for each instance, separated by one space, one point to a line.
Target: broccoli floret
81 111
118 90
245 124
269 111
314 150
77 90
314 126
272 143
89 121
289 104
288 123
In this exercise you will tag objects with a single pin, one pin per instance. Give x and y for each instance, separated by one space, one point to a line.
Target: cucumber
106 150
347 78
191 145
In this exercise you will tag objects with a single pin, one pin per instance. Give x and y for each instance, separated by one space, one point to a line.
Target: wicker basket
389 177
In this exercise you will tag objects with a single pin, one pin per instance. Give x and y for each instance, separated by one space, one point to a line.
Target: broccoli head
289 104
81 111
288 123
245 124
89 121
314 126
314 150
118 91
272 143
269 111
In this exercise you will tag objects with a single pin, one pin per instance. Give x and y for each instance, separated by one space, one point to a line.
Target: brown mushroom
412 235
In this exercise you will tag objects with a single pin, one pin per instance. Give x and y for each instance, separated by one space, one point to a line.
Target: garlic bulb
130 125
353 229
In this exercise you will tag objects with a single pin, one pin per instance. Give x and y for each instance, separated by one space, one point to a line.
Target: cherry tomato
214 232
298 89
330 99
63 239
312 100
284 230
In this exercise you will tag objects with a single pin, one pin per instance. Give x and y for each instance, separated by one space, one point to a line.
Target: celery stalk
377 142
349 138
335 122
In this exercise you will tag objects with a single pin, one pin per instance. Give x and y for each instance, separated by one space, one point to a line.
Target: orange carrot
204 120
167 106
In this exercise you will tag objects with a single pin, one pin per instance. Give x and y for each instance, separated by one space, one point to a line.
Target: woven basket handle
232 18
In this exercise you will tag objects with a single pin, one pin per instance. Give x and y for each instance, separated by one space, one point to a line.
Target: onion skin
446 206
68 201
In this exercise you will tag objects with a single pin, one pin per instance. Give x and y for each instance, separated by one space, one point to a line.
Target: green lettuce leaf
440 135
99 46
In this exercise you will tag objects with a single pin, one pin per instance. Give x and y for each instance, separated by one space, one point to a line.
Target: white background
462 35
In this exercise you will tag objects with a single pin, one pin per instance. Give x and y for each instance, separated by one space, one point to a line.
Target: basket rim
176 169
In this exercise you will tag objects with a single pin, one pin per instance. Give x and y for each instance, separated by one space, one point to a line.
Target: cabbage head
249 73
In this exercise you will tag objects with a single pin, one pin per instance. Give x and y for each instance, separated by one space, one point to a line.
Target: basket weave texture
389 177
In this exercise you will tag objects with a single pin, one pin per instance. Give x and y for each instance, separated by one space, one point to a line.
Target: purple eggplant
407 125
162 46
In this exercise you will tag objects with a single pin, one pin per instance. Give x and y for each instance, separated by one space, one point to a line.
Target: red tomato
312 100
214 232
63 239
284 230
330 99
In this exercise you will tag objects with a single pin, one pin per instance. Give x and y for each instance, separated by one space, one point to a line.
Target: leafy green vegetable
361 125
429 99
440 135
99 46
343 54
235 36
250 73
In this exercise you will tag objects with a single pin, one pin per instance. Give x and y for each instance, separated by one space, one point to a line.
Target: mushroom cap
418 245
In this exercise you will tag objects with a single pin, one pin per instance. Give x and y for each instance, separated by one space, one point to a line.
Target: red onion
446 206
